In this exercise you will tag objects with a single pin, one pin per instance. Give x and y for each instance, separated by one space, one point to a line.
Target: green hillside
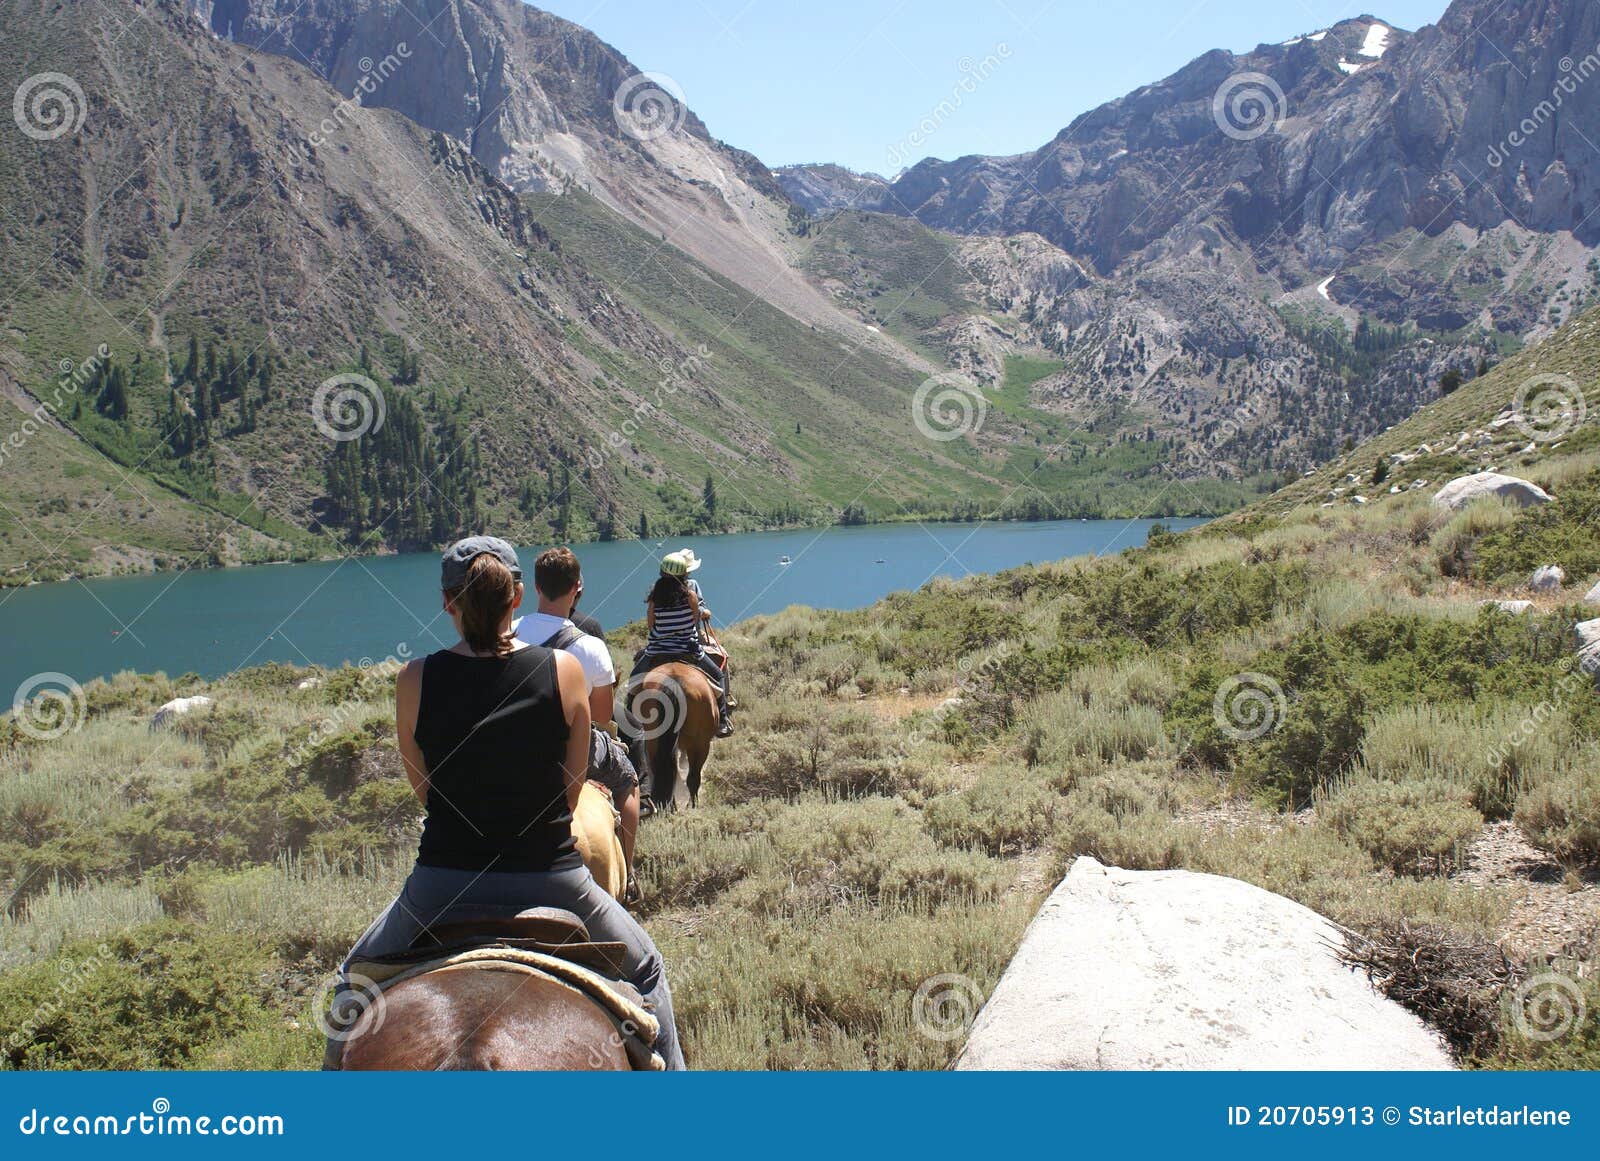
1314 700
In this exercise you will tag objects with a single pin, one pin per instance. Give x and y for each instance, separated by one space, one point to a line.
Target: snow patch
1318 35
1322 287
1377 40
1351 67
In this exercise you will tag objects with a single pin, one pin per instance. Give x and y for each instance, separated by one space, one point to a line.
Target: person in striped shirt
673 614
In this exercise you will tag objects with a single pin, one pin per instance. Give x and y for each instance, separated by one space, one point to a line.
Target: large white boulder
1592 597
176 708
1178 970
1463 490
1588 633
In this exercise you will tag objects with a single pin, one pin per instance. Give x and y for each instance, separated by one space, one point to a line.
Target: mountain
1308 151
1310 234
577 313
267 257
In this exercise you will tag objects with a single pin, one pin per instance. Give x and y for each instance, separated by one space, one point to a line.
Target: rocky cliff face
545 105
1331 154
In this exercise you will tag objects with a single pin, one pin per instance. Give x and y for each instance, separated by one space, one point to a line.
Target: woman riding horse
494 734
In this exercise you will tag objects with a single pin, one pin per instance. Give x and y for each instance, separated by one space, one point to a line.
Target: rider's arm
601 706
575 708
407 696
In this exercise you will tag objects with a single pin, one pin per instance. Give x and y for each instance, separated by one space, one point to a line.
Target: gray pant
435 893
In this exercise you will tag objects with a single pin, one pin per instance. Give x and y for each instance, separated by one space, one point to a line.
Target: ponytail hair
483 601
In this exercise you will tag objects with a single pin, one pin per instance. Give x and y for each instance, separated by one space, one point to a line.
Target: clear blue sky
851 80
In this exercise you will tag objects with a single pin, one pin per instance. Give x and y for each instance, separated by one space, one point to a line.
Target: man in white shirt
558 582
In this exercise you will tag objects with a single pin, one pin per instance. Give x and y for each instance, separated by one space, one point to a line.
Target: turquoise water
214 621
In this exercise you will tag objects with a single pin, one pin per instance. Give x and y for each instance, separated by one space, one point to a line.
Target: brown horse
594 826
475 1019
675 709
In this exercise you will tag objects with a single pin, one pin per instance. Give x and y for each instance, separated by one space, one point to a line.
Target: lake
214 621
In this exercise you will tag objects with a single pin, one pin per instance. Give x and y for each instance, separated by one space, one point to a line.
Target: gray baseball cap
459 557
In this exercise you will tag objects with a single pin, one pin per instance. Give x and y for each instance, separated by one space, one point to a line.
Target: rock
1592 597
1588 634
176 708
1515 608
310 683
1178 970
1463 490
1548 579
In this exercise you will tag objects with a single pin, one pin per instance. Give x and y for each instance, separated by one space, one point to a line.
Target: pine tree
708 499
644 526
191 366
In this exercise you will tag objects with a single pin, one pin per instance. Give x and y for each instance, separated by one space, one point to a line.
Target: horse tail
664 757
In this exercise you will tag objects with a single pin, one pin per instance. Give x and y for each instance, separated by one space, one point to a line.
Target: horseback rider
677 630
558 582
494 736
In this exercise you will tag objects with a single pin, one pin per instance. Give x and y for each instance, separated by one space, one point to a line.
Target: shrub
1491 752
179 987
1067 730
1561 814
1405 826
999 813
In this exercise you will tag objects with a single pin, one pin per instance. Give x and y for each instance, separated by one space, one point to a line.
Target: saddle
547 930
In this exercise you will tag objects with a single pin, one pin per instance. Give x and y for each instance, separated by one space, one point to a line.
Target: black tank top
493 735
